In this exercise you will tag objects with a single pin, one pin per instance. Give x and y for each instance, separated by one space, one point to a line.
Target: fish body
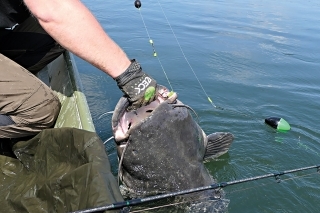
162 149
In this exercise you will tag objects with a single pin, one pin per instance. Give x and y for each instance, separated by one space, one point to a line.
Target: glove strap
127 74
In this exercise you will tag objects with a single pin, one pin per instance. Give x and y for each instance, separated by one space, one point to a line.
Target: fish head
125 121
160 140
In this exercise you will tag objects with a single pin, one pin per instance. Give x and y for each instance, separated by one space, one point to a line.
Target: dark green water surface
254 59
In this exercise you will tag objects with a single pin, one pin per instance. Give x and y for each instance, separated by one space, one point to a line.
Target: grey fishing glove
137 86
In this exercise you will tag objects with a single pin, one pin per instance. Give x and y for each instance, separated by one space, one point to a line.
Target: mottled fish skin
165 151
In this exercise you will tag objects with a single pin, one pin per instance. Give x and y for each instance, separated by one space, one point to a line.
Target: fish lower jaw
119 135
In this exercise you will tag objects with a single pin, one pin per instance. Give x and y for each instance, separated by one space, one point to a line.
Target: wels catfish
162 149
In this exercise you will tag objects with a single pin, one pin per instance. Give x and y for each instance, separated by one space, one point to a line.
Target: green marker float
278 123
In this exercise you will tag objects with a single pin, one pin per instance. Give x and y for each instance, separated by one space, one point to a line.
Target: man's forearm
73 26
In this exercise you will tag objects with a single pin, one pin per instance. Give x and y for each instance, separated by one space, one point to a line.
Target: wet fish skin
165 151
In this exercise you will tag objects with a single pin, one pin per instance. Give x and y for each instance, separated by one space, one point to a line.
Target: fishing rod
132 202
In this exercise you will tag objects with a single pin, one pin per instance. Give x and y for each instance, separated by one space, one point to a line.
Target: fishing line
155 53
209 99
106 141
171 204
159 207
194 73
188 107
186 59
302 145
273 121
137 4
152 44
111 112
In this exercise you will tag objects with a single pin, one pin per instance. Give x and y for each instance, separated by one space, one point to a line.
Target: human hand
137 86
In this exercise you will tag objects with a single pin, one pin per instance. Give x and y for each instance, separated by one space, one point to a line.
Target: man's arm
73 26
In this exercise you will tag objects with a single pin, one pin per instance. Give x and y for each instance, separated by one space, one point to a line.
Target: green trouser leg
30 103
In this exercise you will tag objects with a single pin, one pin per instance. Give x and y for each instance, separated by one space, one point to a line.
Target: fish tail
218 144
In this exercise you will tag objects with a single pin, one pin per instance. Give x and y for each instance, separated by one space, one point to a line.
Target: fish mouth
123 120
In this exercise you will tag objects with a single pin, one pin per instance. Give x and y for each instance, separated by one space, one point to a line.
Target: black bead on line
137 4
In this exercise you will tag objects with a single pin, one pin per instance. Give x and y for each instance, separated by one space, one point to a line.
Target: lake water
254 59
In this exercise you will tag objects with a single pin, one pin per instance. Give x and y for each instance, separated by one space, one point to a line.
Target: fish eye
149 111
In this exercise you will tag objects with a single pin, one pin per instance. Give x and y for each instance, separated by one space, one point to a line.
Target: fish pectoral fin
218 144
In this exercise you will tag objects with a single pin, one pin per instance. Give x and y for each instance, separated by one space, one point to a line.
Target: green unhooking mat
59 170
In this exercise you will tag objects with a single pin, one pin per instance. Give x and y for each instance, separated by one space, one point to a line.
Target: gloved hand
137 86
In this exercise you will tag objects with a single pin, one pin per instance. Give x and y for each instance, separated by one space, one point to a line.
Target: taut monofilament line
137 4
